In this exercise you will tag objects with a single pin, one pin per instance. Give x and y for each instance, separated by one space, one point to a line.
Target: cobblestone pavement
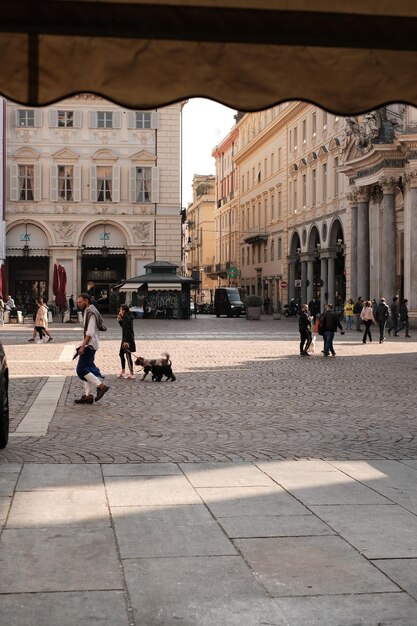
242 393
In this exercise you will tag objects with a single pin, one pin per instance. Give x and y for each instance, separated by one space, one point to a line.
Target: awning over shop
164 287
347 56
129 286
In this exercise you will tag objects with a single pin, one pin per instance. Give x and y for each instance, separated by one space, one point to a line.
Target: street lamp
104 237
26 239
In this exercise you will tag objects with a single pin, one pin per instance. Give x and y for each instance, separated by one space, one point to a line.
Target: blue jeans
328 342
349 322
86 364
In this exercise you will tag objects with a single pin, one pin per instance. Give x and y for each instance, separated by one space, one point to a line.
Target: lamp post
26 239
104 237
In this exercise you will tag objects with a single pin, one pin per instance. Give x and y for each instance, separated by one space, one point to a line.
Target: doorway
27 280
99 277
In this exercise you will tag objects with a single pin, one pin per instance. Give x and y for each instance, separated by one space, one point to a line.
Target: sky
205 124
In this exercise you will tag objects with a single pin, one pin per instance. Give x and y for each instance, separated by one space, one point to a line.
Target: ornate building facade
94 188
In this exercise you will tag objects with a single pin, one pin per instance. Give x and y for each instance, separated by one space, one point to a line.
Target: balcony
256 238
208 269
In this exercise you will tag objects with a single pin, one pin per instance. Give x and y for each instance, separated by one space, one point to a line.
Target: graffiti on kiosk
163 299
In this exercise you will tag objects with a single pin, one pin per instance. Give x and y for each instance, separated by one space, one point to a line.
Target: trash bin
19 317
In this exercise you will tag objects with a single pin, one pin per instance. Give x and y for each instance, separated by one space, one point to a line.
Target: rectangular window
290 196
253 255
104 119
243 256
295 197
295 138
65 182
304 191
313 187
290 140
279 251
143 184
272 250
265 168
247 256
266 210
324 120
304 132
259 253
26 182
104 183
143 119
324 182
253 177
243 183
314 124
272 163
26 117
65 119
272 207
336 176
279 158
279 204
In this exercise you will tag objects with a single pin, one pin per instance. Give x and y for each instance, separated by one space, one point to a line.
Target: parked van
227 302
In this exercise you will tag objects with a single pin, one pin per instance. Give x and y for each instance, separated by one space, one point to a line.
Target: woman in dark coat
128 345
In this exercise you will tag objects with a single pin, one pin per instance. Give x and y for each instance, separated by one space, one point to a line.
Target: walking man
357 309
404 318
331 323
304 326
395 316
86 368
381 316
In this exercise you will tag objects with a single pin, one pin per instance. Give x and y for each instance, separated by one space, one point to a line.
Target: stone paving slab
250 501
8 483
40 478
232 475
387 609
4 509
140 469
403 571
302 566
70 506
84 608
150 490
379 532
200 590
274 526
59 559
168 532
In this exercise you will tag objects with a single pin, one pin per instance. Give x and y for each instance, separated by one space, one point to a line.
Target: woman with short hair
367 316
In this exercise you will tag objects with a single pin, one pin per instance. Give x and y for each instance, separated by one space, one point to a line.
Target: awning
164 287
256 238
129 286
348 56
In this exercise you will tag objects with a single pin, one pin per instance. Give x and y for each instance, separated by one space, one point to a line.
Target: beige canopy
345 55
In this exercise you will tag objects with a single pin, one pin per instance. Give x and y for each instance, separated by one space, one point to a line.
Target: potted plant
253 307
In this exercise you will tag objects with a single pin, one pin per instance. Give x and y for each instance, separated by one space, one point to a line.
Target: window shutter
155 185
116 183
133 184
53 118
37 191
78 119
54 183
16 117
131 119
38 118
117 119
93 183
14 182
92 119
77 182
155 119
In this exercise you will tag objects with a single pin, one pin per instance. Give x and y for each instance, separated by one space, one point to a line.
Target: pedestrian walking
87 370
2 309
128 345
381 316
304 326
368 319
404 320
357 310
348 308
395 315
331 323
40 317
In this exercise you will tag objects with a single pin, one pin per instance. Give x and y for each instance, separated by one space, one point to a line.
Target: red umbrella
62 292
55 281
3 281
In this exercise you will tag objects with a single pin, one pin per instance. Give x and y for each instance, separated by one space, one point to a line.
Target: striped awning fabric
347 56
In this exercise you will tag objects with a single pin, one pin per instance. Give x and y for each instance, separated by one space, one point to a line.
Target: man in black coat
381 316
331 323
304 326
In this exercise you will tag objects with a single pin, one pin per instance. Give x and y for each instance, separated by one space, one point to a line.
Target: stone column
310 278
389 240
331 280
303 282
410 238
362 283
352 197
291 280
323 276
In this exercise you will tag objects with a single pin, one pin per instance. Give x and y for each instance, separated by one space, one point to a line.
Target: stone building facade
93 187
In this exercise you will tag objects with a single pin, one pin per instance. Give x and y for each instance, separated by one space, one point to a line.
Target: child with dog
128 345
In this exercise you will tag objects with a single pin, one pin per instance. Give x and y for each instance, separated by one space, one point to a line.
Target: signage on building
284 283
233 272
297 283
102 275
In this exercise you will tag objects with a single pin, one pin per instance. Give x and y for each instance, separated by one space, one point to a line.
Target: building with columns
93 187
200 235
